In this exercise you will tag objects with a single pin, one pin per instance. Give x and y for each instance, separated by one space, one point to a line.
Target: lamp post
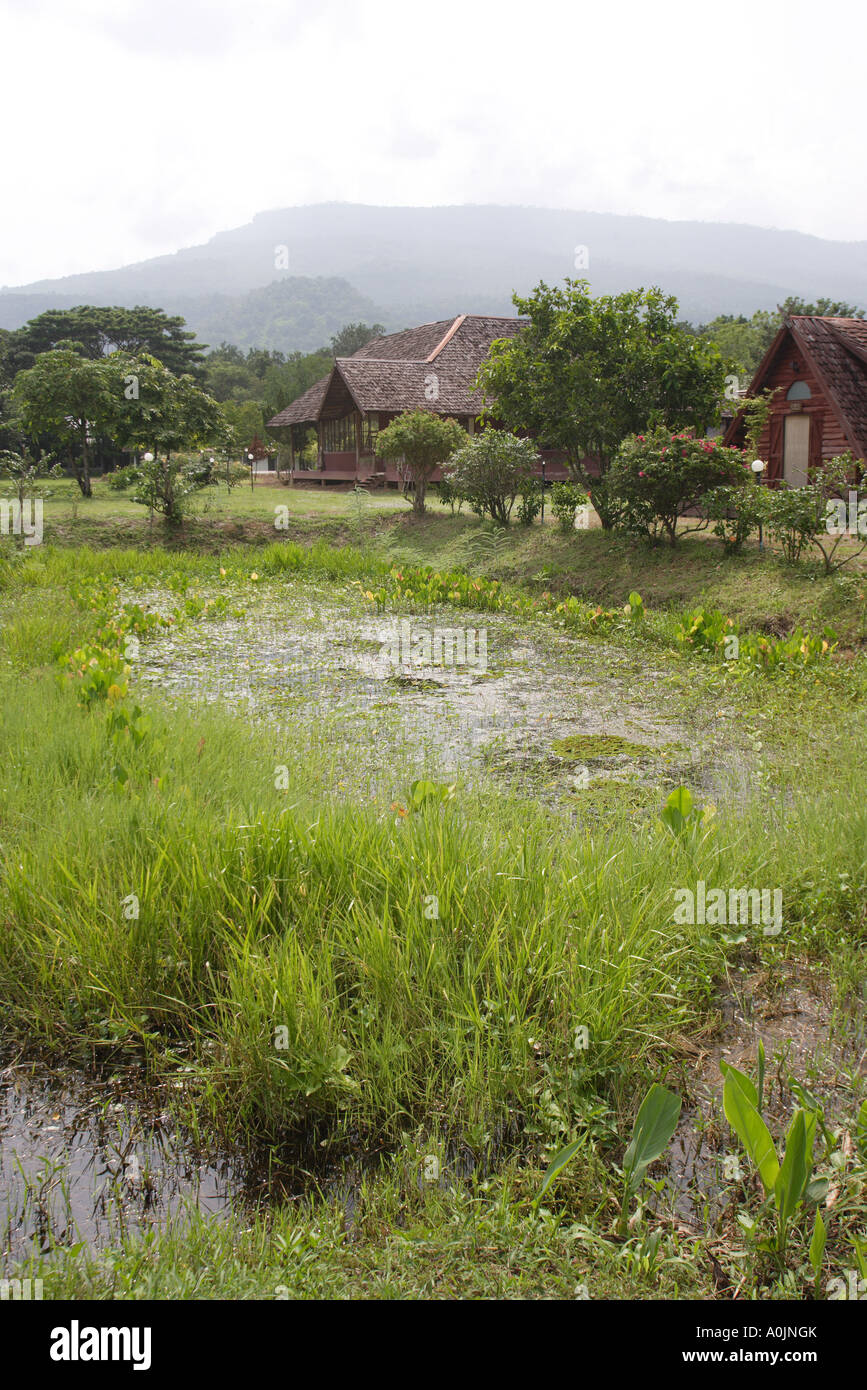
758 468
544 485
149 458
251 461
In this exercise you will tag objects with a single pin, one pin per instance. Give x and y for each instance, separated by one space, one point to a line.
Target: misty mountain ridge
291 277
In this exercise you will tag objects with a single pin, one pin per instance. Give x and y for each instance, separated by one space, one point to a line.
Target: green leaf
752 1131
420 790
817 1244
792 1177
557 1164
654 1126
677 808
861 1132
816 1191
741 1079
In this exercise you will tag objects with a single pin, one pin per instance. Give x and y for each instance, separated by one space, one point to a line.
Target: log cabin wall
826 437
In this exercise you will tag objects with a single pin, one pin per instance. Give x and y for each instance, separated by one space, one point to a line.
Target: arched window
798 391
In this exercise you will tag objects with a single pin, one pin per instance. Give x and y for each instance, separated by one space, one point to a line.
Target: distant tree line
746 340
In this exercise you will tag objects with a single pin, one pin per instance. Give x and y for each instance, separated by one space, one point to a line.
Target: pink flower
641 473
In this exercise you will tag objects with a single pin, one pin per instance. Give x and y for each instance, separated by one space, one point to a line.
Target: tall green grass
285 951
262 910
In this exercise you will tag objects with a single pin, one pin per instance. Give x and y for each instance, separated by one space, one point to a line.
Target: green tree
746 340
25 473
245 420
491 470
100 331
743 341
151 408
422 441
354 336
68 397
821 308
586 373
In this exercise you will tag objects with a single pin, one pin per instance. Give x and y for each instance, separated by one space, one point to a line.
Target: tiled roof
432 367
305 407
411 345
838 349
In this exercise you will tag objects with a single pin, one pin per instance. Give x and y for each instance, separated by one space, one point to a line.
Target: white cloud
144 125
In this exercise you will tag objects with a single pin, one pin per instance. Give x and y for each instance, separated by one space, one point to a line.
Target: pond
455 693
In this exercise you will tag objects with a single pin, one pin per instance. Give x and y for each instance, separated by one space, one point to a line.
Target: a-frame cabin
817 369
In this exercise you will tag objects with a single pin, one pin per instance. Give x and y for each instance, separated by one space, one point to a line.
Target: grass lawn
404 971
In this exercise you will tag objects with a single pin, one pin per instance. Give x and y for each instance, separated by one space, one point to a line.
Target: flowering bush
658 477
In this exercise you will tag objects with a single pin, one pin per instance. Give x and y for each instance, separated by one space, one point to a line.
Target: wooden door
796 449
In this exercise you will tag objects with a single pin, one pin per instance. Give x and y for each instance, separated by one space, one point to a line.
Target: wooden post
357 419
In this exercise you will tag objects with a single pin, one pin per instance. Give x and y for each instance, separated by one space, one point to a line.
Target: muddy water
83 1160
790 1012
360 684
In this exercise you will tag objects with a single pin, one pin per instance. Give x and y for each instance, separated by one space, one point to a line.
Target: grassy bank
756 588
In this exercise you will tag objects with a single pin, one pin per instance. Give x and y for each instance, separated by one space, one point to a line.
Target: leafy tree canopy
746 340
422 441
586 373
65 400
97 332
354 336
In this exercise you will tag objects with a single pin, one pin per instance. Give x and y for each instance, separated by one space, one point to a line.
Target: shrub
843 512
422 441
736 513
121 479
449 495
166 485
566 498
658 477
491 470
530 504
794 516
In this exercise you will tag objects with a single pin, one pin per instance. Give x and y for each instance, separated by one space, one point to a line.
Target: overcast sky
135 127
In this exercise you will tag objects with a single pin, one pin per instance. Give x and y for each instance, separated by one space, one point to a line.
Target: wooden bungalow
817 368
432 367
